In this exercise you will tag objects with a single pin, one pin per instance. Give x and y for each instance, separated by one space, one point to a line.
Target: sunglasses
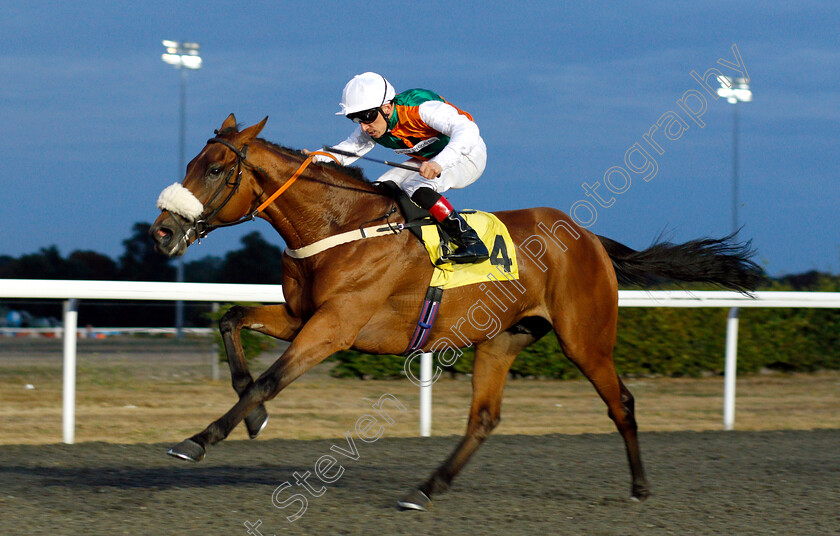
365 117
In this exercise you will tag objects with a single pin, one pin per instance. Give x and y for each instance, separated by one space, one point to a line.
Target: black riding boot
469 247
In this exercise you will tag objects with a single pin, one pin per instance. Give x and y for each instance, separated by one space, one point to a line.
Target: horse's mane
352 172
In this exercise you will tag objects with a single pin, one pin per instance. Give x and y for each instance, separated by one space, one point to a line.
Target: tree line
257 261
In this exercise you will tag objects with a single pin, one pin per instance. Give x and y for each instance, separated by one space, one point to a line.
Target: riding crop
386 162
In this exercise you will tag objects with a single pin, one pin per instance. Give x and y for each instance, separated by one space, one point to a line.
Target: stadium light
182 54
734 91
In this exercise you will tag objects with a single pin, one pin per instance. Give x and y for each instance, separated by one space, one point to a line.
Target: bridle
201 227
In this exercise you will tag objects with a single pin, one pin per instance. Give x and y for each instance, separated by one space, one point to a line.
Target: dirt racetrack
703 483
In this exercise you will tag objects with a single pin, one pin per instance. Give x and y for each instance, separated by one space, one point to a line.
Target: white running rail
72 291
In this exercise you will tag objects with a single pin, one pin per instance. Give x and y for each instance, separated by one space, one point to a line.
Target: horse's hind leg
271 320
493 359
592 353
641 488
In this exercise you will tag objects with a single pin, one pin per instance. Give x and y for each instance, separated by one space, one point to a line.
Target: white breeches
468 169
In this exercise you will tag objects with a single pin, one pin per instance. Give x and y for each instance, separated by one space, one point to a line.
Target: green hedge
669 342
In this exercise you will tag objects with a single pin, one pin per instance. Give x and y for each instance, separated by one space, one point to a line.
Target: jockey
442 140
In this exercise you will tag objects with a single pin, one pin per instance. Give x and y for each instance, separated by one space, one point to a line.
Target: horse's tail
707 260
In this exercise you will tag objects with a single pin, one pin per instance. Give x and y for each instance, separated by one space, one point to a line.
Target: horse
365 294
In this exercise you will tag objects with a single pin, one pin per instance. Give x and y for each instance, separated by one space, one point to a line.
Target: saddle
447 275
415 217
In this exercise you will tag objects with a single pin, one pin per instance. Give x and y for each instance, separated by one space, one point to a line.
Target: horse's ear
252 132
229 122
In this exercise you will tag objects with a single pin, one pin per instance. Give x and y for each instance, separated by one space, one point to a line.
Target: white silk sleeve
463 133
357 143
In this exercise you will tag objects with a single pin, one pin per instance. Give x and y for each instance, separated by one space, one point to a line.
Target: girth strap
427 319
342 238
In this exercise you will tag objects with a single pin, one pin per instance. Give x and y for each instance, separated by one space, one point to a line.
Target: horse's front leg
273 320
328 331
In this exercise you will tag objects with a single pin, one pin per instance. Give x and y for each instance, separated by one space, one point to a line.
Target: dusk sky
561 92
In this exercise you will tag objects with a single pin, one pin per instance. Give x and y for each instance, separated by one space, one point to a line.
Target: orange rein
202 228
294 177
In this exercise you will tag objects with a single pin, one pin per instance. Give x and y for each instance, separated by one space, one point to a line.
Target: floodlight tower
734 91
183 56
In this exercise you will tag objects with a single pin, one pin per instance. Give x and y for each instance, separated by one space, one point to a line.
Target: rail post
426 394
214 350
68 412
730 369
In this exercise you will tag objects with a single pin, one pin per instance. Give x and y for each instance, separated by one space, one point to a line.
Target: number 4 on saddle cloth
489 228
495 236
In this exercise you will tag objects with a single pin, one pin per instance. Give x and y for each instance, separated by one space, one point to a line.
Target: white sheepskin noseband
180 201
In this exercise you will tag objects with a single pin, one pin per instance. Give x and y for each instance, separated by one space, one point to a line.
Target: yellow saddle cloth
495 236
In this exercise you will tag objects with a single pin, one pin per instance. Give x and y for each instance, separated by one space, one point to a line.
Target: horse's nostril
162 235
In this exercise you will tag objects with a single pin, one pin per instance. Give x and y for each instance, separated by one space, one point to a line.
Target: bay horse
366 294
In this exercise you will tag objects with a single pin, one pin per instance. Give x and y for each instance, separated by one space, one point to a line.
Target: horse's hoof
415 500
187 450
640 493
256 421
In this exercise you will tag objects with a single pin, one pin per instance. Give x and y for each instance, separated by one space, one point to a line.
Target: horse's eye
214 172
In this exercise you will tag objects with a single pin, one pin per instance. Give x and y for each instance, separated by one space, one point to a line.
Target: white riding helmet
365 91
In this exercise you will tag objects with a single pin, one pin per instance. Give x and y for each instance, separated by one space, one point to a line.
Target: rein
202 227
